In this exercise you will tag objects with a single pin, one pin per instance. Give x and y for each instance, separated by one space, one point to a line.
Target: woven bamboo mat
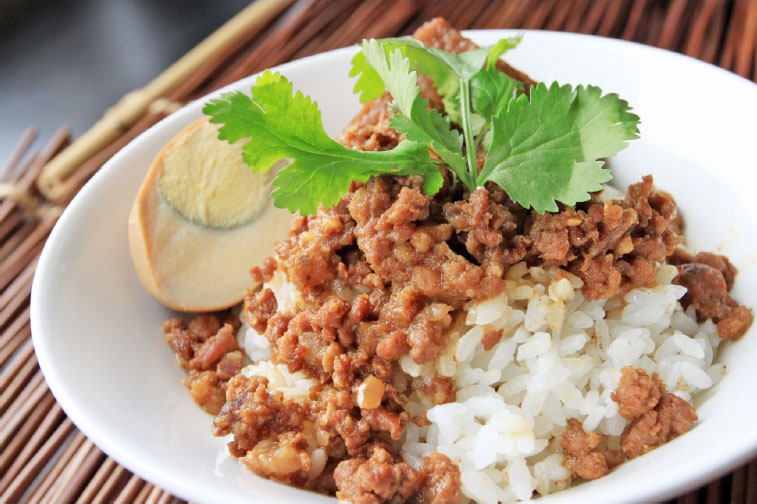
44 457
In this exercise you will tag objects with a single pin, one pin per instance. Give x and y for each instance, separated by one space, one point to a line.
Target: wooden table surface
44 457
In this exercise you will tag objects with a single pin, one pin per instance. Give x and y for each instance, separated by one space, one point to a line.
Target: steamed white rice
560 357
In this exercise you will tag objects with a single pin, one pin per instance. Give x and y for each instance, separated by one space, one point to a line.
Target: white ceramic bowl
98 337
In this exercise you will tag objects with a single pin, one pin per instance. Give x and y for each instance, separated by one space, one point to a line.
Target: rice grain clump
560 356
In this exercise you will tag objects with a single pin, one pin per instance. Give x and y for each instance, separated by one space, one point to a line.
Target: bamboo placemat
44 457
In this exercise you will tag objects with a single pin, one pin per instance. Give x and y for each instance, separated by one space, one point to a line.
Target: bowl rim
166 479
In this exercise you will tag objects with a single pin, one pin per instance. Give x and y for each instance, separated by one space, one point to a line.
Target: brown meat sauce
382 274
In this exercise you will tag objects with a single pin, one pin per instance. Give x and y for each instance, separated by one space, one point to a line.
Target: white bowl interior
97 332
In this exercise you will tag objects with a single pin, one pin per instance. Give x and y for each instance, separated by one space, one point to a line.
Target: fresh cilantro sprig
542 148
286 126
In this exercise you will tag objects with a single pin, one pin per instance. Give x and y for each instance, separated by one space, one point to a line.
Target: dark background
66 61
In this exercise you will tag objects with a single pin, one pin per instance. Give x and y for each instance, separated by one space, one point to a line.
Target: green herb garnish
541 149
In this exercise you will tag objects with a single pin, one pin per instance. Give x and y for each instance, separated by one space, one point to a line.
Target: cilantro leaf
605 122
501 47
394 70
369 84
428 126
283 125
414 118
546 148
491 90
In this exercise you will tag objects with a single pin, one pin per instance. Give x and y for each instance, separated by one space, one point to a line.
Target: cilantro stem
470 150
481 135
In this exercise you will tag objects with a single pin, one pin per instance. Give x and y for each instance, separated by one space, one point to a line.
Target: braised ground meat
264 273
656 415
285 459
262 308
708 278
491 338
719 262
581 454
669 419
377 479
380 479
637 393
370 130
612 246
439 389
209 353
441 481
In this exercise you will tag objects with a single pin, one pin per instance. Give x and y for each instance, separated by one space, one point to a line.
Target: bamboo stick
23 144
21 188
9 224
71 480
129 492
630 32
738 485
21 252
483 21
671 28
689 498
154 495
210 66
16 239
46 484
141 497
559 15
79 478
591 20
29 438
12 388
360 17
19 484
12 448
132 106
714 492
575 16
20 261
350 33
109 489
251 61
165 498
297 46
697 31
67 189
13 343
18 286
744 58
97 481
17 413
23 297
751 482
14 327
466 13
612 15
538 15
25 353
